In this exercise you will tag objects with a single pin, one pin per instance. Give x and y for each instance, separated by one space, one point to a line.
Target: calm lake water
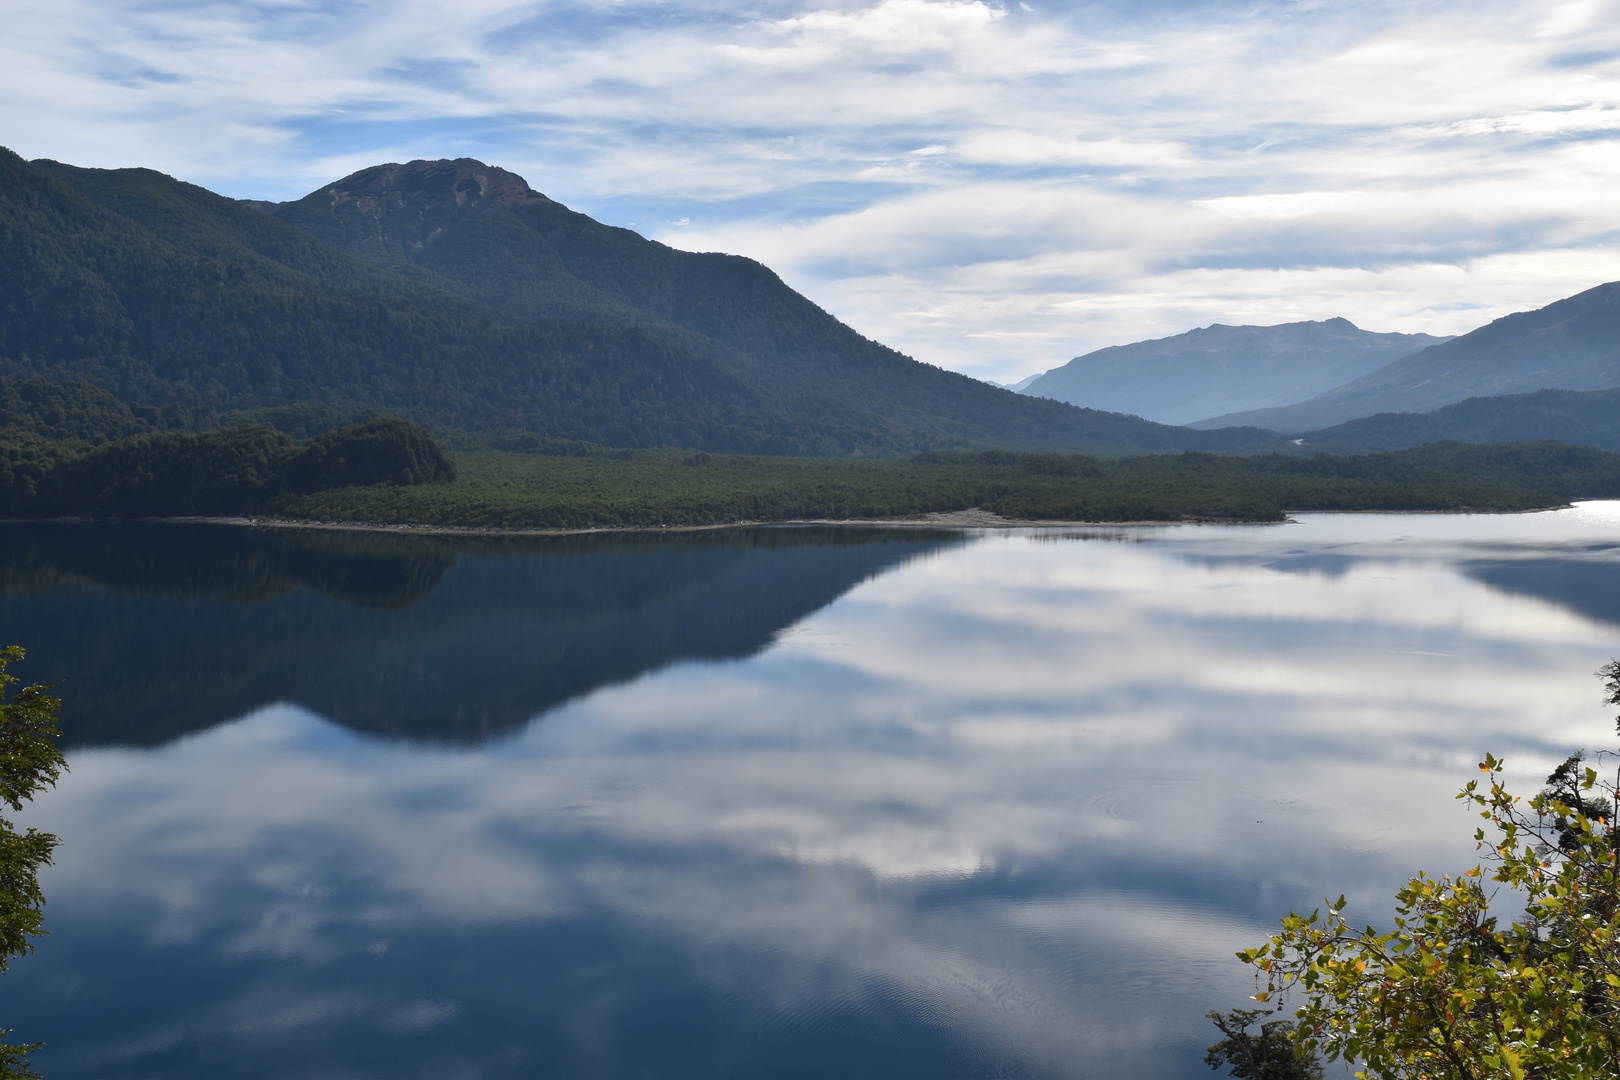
773 803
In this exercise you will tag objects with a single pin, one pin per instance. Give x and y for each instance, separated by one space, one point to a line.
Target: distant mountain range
1220 369
1573 344
451 293
1017 387
1579 417
1552 373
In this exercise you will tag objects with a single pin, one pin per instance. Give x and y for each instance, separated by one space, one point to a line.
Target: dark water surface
755 804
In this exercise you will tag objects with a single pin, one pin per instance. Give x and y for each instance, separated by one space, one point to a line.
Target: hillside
451 294
1582 418
1220 369
78 414
88 294
515 249
1573 344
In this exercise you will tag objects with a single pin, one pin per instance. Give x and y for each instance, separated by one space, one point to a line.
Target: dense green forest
232 470
75 450
571 486
170 296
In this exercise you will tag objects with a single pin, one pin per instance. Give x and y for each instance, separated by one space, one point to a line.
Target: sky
989 187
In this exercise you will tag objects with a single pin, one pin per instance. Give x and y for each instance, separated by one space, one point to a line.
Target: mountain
77 413
1220 369
517 250
169 294
1578 417
452 294
1573 344
1017 387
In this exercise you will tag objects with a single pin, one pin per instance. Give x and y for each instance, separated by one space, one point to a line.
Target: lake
758 803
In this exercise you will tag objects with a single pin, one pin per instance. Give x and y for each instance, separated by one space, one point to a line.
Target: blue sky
993 188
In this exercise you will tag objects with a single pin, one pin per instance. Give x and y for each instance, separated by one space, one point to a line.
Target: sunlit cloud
993 188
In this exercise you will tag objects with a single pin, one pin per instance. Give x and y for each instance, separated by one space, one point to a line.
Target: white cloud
1286 207
1581 121
962 179
896 26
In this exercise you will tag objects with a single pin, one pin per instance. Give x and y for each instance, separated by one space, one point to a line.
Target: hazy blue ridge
1573 344
1219 369
1578 417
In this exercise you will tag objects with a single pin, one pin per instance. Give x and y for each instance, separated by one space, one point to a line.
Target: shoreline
973 519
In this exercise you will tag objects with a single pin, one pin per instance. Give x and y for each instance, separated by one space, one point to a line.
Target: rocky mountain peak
460 182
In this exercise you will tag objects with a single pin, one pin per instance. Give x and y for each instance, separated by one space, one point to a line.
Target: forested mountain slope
520 314
1573 344
88 294
1577 417
1219 369
515 249
77 413
518 250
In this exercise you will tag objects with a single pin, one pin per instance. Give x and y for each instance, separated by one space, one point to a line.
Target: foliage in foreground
1272 1053
1450 993
29 763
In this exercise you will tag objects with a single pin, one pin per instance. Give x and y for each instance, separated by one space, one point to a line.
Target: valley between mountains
438 342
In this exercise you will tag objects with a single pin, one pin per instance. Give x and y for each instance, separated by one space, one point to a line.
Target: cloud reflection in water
1006 810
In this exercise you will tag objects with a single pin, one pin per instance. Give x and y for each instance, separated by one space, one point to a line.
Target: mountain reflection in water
945 807
1588 586
151 631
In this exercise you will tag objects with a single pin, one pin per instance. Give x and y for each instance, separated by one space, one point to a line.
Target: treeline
232 470
571 486
82 415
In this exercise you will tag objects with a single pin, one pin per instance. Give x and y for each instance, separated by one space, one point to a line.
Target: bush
1453 994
